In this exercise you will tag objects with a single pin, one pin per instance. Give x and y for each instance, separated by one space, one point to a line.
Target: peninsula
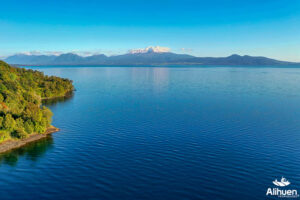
23 119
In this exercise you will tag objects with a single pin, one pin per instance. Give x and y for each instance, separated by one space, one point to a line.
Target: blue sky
203 28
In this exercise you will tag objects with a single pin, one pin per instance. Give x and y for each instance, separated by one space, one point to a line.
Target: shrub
19 133
4 135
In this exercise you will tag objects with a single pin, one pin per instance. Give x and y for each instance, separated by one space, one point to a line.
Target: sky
215 28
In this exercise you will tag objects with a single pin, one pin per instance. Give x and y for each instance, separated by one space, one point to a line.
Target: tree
19 123
1 122
21 94
9 122
19 133
29 126
4 135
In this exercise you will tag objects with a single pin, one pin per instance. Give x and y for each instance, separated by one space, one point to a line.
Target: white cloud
55 53
156 49
36 53
186 50
86 53
29 53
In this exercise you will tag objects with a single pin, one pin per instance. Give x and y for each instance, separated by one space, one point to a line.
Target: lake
163 133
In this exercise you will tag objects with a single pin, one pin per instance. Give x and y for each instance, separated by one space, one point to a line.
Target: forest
21 94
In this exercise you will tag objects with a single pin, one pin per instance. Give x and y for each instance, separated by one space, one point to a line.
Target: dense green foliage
21 93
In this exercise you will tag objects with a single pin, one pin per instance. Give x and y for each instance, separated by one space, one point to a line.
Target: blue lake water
163 133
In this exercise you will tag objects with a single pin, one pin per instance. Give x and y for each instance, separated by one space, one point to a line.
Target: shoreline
67 94
14 144
17 143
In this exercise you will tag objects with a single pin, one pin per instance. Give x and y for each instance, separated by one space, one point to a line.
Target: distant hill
141 58
29 59
238 60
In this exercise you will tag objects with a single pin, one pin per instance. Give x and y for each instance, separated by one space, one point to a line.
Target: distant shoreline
166 66
14 144
140 59
155 65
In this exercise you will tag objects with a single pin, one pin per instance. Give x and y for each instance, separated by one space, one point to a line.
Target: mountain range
140 58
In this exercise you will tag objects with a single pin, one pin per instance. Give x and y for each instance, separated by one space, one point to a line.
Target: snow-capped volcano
156 49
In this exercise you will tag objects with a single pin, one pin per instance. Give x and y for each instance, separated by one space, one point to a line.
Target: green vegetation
21 94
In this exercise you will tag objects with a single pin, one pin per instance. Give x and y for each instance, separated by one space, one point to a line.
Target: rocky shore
13 144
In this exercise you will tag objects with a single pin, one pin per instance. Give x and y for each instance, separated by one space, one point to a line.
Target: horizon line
96 54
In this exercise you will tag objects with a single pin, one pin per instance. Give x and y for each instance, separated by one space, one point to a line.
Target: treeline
21 93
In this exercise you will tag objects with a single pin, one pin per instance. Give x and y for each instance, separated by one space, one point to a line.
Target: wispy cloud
29 53
186 50
57 53
86 53
150 49
107 52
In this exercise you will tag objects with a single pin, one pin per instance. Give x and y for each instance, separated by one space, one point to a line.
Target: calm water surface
163 133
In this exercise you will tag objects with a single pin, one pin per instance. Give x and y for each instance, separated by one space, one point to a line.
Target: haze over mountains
147 56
